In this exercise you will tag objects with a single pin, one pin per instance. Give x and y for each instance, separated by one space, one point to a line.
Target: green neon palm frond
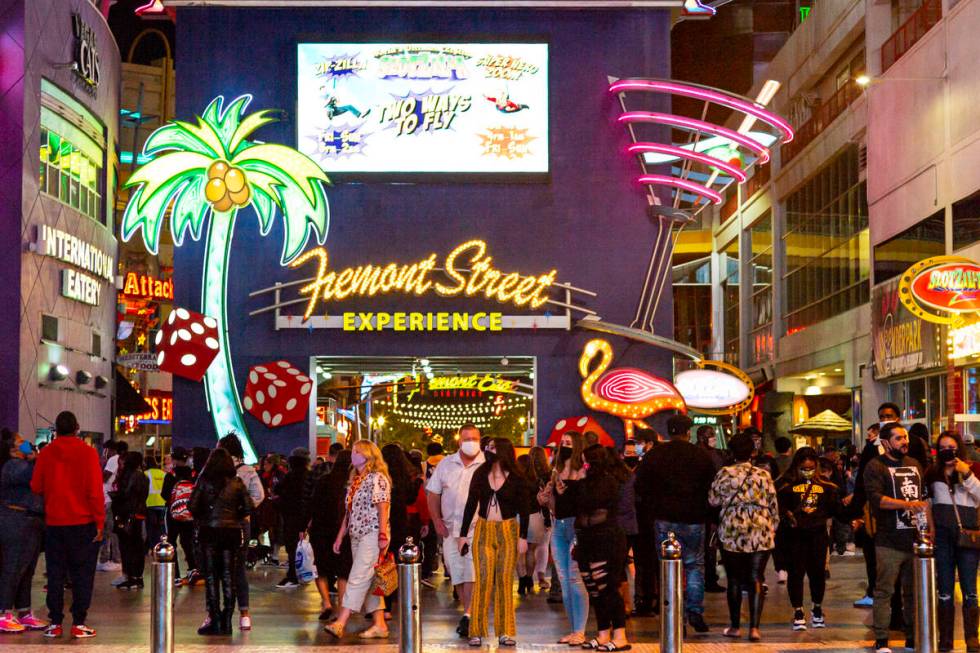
251 123
146 211
190 210
183 136
225 122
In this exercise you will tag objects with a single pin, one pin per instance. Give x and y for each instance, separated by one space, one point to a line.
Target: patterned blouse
748 523
364 495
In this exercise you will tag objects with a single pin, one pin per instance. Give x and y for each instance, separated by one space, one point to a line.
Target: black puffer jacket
129 496
220 507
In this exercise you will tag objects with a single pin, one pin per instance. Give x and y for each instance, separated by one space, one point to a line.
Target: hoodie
68 476
252 482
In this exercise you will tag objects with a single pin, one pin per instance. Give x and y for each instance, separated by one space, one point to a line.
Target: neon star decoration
211 170
628 393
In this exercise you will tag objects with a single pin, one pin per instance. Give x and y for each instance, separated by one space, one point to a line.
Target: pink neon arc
628 385
684 153
707 95
683 184
693 124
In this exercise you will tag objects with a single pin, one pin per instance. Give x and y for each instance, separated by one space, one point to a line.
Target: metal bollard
409 618
162 599
926 636
671 596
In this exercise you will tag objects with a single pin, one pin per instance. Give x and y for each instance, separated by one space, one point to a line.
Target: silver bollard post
671 596
409 618
162 599
926 635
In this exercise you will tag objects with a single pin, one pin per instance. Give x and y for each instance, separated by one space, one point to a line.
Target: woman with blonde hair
566 472
366 522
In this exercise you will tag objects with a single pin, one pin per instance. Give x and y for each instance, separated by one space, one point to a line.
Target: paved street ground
285 621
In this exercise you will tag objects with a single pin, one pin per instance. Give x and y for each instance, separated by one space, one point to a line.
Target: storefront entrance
417 400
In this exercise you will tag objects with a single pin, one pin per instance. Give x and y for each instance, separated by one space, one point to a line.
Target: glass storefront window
921 400
915 397
966 221
760 336
730 297
924 240
69 176
971 397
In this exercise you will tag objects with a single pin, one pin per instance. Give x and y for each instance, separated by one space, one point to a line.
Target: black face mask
946 455
490 456
564 453
631 461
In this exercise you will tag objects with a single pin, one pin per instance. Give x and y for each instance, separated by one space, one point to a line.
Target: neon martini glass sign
208 172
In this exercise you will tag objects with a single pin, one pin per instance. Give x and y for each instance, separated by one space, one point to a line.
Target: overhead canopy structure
828 420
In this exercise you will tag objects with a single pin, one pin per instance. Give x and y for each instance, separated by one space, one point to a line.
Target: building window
966 221
96 344
692 303
70 176
895 255
729 287
49 328
760 264
826 244
921 400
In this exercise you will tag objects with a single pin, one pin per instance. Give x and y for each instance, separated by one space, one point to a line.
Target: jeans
691 537
20 546
110 543
133 552
893 565
183 532
156 525
241 575
950 561
645 566
70 552
573 594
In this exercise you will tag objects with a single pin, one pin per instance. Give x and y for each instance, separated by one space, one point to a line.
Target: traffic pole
924 572
162 599
671 596
409 582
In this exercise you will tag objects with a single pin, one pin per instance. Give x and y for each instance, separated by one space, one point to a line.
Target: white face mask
887 421
470 448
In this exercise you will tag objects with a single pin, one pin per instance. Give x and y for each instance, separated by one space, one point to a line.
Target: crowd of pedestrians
576 519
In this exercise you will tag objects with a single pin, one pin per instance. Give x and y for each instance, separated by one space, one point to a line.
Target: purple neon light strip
683 184
698 125
707 95
683 153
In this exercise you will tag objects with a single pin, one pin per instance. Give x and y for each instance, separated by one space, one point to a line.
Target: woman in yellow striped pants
498 495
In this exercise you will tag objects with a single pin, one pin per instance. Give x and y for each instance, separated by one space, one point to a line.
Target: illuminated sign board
942 289
469 270
161 411
965 341
424 107
80 287
143 286
86 57
58 244
485 383
710 389
143 361
423 321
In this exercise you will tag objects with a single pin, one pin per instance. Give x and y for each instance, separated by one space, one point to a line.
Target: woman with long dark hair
220 503
954 493
327 514
534 563
806 502
291 503
565 473
500 498
746 529
129 513
601 545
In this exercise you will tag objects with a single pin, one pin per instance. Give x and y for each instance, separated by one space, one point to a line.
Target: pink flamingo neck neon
691 155
683 184
693 124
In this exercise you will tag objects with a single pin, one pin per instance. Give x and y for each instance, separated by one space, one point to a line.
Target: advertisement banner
902 343
424 107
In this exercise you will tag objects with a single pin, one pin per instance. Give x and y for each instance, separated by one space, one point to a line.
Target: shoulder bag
713 542
385 576
967 538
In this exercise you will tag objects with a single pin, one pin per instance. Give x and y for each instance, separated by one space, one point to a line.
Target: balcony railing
920 22
821 119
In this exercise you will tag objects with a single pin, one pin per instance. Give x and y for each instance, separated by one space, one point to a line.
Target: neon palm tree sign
211 169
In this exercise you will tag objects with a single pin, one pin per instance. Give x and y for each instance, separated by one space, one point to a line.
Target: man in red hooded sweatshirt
68 476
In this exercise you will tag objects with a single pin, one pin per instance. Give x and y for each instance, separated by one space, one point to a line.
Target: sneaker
116 582
131 584
799 621
286 584
696 620
30 622
193 577
54 630
245 622
108 566
816 617
10 624
782 575
881 646
178 582
463 627
864 602
81 631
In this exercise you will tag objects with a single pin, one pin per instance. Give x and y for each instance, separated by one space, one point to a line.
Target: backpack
180 501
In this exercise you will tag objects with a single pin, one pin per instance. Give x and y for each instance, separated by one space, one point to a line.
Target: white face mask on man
470 448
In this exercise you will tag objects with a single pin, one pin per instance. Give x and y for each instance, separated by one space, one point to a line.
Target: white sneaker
782 575
108 566
116 582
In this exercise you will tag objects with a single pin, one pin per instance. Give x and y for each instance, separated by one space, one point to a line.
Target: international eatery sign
95 267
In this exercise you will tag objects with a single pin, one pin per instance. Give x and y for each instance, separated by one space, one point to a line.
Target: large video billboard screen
409 108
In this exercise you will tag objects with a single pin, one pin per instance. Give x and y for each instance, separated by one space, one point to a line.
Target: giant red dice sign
277 394
187 344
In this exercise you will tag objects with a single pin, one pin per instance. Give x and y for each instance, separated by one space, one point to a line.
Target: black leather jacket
220 507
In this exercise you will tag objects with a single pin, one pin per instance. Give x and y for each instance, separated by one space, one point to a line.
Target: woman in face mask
954 493
807 501
366 521
566 472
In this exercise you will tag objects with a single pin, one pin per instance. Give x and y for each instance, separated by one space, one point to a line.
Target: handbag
385 576
713 542
967 538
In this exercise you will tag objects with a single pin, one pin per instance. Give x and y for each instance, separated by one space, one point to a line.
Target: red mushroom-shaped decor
628 393
582 424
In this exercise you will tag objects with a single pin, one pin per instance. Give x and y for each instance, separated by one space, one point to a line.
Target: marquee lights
478 277
942 289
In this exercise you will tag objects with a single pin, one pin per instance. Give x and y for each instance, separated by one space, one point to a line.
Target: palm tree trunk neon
219 381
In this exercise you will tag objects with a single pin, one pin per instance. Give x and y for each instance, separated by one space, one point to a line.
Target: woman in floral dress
746 531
